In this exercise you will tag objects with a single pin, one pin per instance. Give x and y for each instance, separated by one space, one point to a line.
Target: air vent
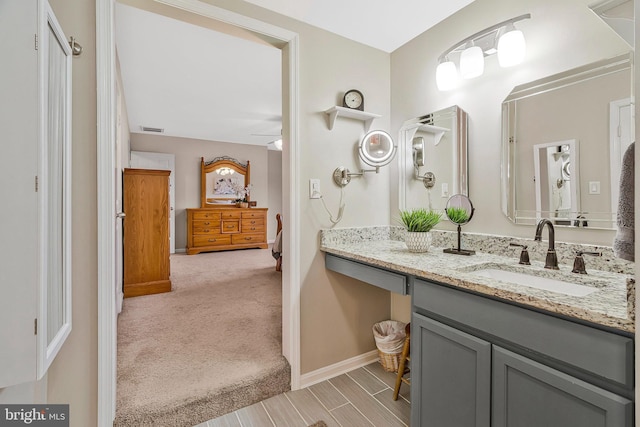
149 129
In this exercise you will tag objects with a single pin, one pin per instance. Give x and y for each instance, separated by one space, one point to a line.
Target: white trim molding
105 73
106 117
331 371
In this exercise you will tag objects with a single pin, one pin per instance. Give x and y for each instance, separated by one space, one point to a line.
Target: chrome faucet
552 260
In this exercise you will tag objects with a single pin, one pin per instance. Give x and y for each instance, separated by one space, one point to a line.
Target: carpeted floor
211 346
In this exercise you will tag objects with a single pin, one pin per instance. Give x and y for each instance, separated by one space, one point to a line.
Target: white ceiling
198 83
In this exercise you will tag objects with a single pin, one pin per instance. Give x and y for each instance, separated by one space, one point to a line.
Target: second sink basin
538 282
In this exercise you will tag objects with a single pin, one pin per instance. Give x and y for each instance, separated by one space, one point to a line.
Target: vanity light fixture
503 39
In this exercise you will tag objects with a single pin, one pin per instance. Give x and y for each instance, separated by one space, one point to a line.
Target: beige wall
188 153
274 182
73 378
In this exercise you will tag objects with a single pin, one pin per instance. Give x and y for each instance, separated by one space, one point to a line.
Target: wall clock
353 99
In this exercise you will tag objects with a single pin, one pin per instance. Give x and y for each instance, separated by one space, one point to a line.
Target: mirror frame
543 85
461 147
220 162
363 149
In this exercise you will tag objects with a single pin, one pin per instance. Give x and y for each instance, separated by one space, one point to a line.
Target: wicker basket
389 362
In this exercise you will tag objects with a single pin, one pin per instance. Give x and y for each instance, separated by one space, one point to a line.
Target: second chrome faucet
551 261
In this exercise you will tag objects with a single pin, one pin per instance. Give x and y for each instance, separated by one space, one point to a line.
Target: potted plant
242 200
418 224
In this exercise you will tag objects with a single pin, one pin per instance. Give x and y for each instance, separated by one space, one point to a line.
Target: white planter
418 241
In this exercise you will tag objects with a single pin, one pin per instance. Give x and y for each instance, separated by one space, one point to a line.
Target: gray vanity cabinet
452 379
478 362
526 393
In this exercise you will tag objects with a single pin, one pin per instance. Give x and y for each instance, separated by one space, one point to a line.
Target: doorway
105 70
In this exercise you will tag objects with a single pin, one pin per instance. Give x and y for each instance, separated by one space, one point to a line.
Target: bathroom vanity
490 352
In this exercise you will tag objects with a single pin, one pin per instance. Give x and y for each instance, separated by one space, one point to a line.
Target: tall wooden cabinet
146 232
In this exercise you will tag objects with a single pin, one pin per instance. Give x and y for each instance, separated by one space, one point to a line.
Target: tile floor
359 398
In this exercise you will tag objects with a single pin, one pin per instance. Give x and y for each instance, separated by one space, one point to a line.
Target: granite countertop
607 306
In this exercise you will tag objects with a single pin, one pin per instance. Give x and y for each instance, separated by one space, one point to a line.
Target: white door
120 165
148 160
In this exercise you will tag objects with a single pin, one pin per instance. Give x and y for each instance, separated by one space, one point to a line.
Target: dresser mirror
433 161
222 180
563 138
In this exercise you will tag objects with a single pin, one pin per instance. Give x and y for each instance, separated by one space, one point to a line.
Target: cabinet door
450 376
527 393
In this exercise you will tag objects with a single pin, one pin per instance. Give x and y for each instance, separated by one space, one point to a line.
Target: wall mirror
220 180
563 138
433 163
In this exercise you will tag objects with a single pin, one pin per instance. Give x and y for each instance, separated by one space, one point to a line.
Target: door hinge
35 37
35 326
36 183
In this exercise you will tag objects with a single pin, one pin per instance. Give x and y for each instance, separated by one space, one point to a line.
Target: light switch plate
314 188
594 187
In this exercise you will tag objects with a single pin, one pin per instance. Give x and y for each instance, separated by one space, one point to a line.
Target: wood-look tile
328 395
367 381
254 416
365 403
400 408
282 412
389 378
310 407
348 416
229 420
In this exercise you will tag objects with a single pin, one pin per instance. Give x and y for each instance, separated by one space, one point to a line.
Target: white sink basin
537 282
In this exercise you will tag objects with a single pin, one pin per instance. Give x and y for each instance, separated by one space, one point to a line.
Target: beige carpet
211 346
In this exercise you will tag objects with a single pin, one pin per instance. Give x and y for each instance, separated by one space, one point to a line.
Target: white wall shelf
437 131
336 111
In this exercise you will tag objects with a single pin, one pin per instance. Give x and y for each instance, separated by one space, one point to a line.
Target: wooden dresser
146 232
217 229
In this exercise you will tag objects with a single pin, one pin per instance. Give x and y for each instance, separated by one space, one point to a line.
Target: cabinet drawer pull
253 228
207 223
253 222
229 226
247 238
213 240
206 230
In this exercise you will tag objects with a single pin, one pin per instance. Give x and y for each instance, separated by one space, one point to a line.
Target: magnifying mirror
459 211
377 148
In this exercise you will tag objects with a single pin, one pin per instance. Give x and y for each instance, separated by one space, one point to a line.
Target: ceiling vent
150 129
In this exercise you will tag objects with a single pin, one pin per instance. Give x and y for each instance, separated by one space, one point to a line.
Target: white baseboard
336 369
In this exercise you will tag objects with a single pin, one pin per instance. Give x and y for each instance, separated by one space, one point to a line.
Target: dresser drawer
252 228
206 227
230 226
254 214
203 214
202 240
243 238
252 222
231 214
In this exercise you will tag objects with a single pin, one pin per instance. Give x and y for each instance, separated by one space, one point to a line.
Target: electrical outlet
314 188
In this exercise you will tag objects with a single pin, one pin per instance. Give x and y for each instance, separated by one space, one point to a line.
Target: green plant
419 220
458 215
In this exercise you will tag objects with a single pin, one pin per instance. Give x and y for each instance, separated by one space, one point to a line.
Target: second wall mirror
433 160
220 180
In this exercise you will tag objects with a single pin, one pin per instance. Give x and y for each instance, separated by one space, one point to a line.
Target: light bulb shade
471 62
511 48
446 76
